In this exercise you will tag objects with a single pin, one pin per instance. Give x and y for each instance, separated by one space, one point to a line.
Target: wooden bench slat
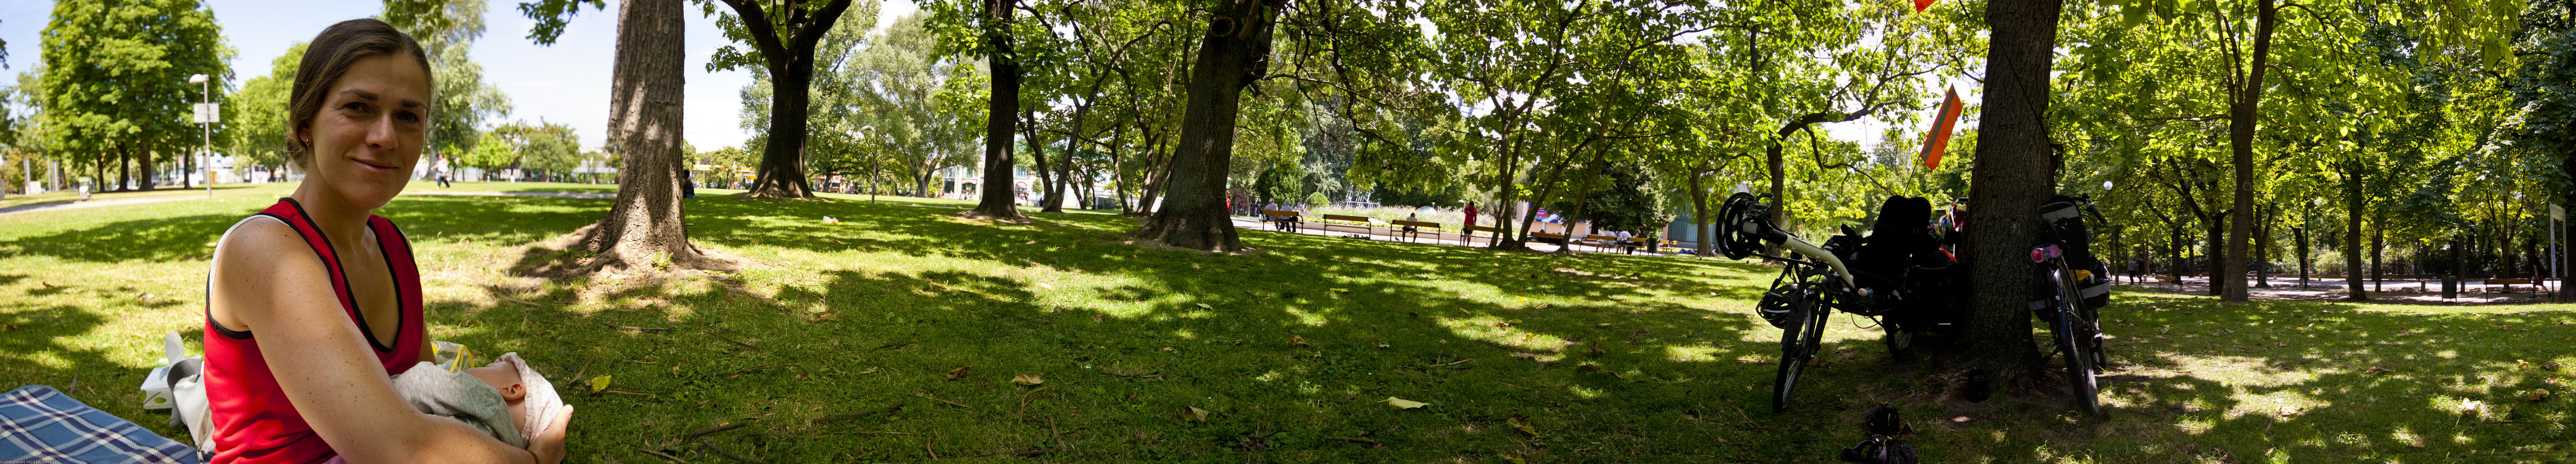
1434 225
1337 217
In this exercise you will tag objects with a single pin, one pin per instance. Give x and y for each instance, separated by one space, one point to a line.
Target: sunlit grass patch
1610 358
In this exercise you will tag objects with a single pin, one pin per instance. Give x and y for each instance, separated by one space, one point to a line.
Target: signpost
2557 219
207 115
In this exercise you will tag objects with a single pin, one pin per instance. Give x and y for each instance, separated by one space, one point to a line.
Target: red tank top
253 421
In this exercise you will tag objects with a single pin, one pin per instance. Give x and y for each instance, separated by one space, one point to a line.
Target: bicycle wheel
1798 344
1900 342
2078 345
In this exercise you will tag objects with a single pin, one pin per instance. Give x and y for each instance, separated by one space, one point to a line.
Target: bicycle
1901 277
2073 313
1835 276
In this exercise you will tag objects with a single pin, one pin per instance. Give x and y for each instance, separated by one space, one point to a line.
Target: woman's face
368 134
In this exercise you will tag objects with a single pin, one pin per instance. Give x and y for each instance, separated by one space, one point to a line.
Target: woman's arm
282 292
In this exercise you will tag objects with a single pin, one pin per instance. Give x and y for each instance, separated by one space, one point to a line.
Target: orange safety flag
1919 5
1941 126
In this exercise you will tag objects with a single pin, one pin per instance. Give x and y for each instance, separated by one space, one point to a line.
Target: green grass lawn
1607 358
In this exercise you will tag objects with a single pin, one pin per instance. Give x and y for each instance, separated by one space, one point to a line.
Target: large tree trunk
1037 152
2218 256
647 222
2378 249
1001 115
2240 139
1705 230
1509 229
2352 231
1236 52
782 162
125 169
2006 188
2300 234
2263 247
143 166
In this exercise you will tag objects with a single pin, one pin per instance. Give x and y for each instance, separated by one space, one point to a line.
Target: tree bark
2263 247
789 57
647 224
2352 231
2378 249
1704 229
2300 234
2240 139
1235 53
2218 257
1037 152
143 166
1002 112
2006 188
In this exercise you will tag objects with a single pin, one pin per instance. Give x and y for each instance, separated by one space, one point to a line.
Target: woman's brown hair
330 56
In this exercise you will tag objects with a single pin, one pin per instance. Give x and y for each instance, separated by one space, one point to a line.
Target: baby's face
505 378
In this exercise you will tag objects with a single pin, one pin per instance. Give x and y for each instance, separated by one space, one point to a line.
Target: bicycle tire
1900 341
1797 345
2072 338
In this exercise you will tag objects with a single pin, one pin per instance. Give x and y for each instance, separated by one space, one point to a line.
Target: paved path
1254 223
516 194
78 204
63 205
2397 291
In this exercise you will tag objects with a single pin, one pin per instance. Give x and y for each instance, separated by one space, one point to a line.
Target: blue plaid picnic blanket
42 425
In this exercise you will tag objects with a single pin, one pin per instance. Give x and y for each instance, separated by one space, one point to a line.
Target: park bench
1289 220
1633 243
1469 233
1558 238
2168 279
1599 241
1421 227
1363 223
2509 283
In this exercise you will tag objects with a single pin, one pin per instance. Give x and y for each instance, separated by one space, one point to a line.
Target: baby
506 398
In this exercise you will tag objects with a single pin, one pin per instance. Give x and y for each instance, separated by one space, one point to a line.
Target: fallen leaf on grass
959 372
2538 394
1026 379
1401 403
1293 339
1341 290
1521 423
1204 306
2376 370
2279 344
1045 286
1193 414
598 383
1594 350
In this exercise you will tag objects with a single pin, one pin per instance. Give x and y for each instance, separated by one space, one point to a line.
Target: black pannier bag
2065 221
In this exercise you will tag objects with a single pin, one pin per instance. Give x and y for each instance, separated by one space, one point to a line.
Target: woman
314 303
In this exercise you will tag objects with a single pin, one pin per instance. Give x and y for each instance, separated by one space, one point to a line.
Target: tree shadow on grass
2197 380
1168 331
186 237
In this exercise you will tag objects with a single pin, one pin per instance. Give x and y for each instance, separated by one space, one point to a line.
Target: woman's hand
549 445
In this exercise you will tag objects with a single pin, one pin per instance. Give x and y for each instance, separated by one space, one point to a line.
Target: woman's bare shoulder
260 242
253 262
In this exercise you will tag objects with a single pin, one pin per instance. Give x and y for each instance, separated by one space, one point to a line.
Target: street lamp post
876 164
206 116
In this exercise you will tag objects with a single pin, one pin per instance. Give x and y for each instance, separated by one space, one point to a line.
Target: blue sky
565 83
